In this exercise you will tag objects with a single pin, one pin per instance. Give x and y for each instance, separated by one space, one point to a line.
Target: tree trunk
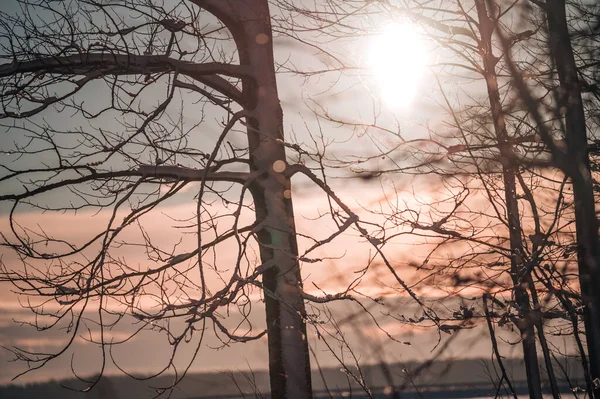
588 251
539 325
289 361
525 322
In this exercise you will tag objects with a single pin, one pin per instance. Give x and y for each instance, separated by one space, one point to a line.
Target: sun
398 58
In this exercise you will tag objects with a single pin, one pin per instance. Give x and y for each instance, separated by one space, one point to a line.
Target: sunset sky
380 113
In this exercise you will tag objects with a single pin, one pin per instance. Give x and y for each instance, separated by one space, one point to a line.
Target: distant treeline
442 379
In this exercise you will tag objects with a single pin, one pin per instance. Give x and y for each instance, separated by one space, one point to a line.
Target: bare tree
572 158
576 137
467 30
124 71
113 107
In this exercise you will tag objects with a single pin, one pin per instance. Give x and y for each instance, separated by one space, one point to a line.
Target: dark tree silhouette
95 97
537 235
121 108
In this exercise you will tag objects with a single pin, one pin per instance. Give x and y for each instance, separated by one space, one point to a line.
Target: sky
354 96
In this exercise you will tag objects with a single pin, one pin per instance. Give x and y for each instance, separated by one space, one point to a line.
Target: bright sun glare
398 58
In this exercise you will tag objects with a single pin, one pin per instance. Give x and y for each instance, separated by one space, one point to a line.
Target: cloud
337 265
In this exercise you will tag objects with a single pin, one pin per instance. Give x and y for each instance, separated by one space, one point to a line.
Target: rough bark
289 362
588 251
525 323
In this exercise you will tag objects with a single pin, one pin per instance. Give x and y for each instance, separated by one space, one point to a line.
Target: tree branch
147 171
122 64
96 65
